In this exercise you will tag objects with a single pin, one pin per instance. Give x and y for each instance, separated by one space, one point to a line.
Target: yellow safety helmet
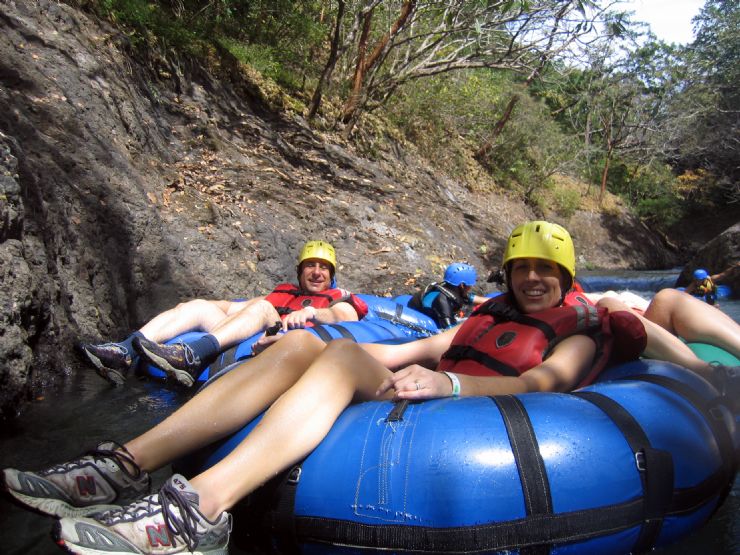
320 250
540 239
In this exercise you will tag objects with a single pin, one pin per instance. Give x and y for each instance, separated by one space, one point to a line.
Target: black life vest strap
302 293
504 312
529 462
446 292
655 467
343 299
463 352
283 310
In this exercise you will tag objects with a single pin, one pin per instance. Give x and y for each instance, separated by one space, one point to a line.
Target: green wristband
455 383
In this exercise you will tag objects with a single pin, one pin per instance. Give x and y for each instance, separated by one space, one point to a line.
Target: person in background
305 384
671 315
703 285
444 301
314 300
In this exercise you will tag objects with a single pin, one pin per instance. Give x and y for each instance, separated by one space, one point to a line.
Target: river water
85 410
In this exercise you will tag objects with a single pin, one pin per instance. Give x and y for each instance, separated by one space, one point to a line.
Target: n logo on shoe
159 535
86 485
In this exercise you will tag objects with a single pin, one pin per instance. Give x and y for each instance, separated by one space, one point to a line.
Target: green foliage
260 57
566 202
651 189
279 38
654 110
709 138
531 147
149 22
468 104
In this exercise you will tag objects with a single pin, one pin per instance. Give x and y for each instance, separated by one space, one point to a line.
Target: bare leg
229 403
244 323
293 426
198 314
661 343
694 320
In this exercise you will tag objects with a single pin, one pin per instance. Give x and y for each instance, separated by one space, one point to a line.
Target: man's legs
198 314
114 360
184 361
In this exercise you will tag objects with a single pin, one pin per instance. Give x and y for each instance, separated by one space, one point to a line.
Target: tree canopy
532 87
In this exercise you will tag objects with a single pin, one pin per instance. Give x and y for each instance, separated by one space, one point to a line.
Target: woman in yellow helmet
305 384
315 299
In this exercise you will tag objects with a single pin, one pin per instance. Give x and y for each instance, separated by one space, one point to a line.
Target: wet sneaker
166 522
96 482
111 360
177 360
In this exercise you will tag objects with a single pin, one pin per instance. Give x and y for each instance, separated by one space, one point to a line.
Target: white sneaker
166 522
96 482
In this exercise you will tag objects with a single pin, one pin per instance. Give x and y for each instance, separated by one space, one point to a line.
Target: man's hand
299 318
265 341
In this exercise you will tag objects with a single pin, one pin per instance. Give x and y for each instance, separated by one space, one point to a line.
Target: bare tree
420 38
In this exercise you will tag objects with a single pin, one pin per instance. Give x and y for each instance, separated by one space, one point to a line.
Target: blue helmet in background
460 273
700 273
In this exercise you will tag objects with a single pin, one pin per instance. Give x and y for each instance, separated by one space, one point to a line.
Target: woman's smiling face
536 283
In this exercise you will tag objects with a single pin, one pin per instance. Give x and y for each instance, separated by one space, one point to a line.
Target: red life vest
499 339
287 298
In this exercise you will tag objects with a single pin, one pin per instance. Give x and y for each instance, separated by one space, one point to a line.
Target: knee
611 304
668 297
342 356
195 306
302 341
260 310
341 346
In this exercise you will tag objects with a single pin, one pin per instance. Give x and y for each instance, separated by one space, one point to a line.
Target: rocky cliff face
127 185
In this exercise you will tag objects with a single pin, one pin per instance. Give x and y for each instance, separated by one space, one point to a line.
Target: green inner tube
711 353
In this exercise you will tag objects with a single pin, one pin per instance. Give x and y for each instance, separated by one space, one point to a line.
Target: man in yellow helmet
314 300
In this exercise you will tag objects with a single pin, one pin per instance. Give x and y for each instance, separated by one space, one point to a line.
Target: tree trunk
330 64
485 150
354 96
351 107
604 176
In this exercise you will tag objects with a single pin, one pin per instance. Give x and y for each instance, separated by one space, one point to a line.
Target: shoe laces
171 503
190 357
119 454
114 345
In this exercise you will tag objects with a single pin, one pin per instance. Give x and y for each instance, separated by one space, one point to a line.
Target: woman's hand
416 382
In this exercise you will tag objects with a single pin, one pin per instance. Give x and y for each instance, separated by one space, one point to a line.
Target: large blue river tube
638 460
388 321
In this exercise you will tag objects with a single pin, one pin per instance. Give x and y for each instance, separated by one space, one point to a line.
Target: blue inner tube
638 460
388 321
